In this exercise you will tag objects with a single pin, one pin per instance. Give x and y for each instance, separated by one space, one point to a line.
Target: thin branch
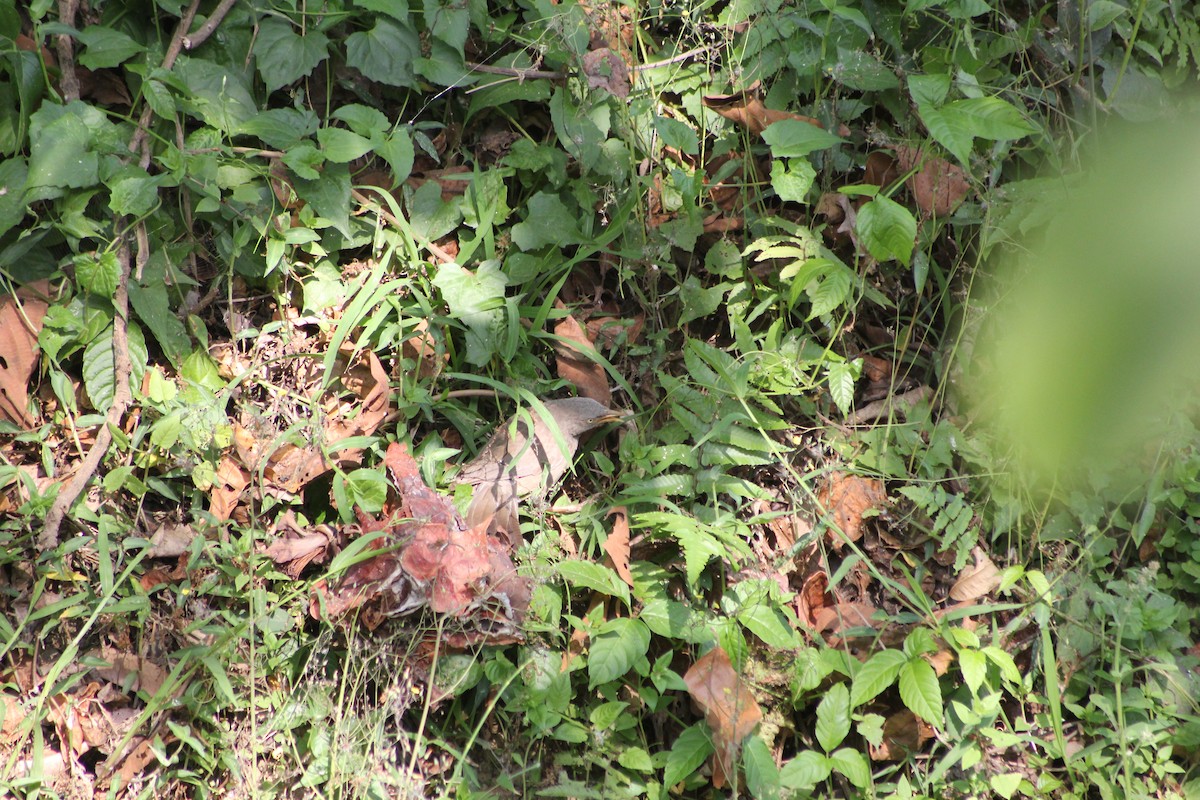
64 47
206 30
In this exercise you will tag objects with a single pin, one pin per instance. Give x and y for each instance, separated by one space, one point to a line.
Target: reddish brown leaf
616 544
227 489
729 707
605 70
20 321
421 347
588 376
937 186
846 498
976 580
904 733
746 109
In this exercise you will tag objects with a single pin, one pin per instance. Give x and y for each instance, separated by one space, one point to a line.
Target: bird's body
512 466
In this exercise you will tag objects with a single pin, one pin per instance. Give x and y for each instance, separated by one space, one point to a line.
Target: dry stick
65 47
210 25
522 73
122 367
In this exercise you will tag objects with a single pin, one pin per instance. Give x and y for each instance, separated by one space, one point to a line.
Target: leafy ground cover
274 270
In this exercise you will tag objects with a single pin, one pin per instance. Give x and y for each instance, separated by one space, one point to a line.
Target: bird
510 466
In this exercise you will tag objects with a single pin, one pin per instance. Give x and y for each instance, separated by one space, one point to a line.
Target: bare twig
139 142
198 38
64 46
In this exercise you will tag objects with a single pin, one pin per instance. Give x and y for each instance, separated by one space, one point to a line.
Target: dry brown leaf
880 169
171 539
746 109
573 366
616 544
605 70
20 321
814 597
941 661
846 498
232 479
938 187
421 347
129 672
976 580
840 617
904 733
729 708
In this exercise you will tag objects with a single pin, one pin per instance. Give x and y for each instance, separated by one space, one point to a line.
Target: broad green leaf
973 664
762 776
791 138
281 127
1008 667
791 178
853 765
548 221
833 717
329 195
877 674
580 129
444 65
476 299
155 304
385 53
367 489
920 691
887 229
699 301
341 145
13 173
862 71
59 150
669 618
768 624
832 291
636 759
950 131
283 56
596 577
687 754
98 273
99 374
133 191
989 118
677 134
363 120
218 95
105 47
615 650
805 771
397 149
1005 785
448 20
929 90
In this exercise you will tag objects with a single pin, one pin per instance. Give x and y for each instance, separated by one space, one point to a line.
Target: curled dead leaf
729 708
977 579
846 498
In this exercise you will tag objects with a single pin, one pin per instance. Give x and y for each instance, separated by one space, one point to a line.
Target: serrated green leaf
688 752
920 691
989 118
831 292
593 576
105 47
699 301
762 776
805 771
950 131
841 376
341 146
877 674
1005 785
853 765
792 178
887 229
768 624
548 221
833 717
669 618
615 650
98 274
974 668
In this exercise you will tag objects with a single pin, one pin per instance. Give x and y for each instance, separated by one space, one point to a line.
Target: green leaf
687 754
762 776
363 120
669 618
367 489
699 301
548 221
636 759
155 304
219 96
580 130
929 90
1005 785
841 376
59 150
596 577
887 229
476 299
833 717
832 291
974 668
791 138
920 692
281 127
853 765
448 20
133 191
283 56
877 674
385 53
768 623
1008 667
677 134
989 118
106 47
615 650
805 771
950 132
341 146
98 274
329 195
792 178
397 150
99 374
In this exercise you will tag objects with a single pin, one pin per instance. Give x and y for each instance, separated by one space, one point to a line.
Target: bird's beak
615 415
